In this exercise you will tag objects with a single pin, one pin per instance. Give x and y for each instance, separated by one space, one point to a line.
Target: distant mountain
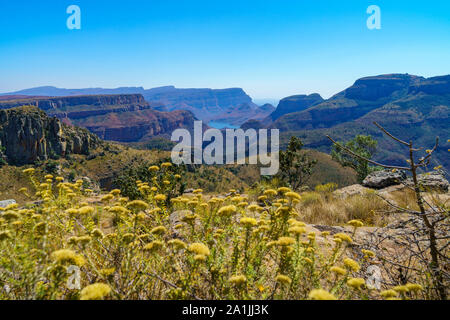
365 95
271 101
205 104
59 92
241 113
287 105
123 118
295 104
411 107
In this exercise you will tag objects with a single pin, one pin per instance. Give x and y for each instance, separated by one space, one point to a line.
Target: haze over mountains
412 107
205 104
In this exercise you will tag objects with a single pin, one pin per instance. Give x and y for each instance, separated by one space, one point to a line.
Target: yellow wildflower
297 230
69 256
285 241
177 244
248 222
86 210
283 279
355 223
356 283
320 294
388 294
160 230
227 210
96 291
413 287
137 205
292 195
199 248
343 237
338 270
351 264
270 193
238 280
160 197
401 289
154 246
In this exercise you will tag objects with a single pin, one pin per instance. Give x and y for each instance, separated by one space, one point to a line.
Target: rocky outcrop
28 135
378 87
123 118
383 179
432 181
295 104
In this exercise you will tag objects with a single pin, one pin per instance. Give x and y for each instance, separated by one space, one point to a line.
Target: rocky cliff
410 107
28 135
206 104
123 118
294 104
365 95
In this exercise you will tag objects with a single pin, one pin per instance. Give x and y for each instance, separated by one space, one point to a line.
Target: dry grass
325 208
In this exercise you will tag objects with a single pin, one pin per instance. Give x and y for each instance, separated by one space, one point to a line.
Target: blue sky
272 49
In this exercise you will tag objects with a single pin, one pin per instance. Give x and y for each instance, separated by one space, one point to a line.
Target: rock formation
123 118
383 179
28 135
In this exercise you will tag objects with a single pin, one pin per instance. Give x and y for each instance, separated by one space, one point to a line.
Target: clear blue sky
272 49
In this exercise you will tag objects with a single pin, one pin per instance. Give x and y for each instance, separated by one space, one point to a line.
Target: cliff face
79 103
294 104
137 126
123 118
205 104
365 95
410 107
378 87
28 135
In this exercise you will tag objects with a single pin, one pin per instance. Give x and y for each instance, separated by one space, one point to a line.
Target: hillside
411 107
241 113
30 137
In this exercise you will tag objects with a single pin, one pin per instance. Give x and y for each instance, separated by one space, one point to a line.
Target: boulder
432 181
383 179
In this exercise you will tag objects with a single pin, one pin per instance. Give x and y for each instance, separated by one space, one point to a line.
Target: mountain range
409 106
206 104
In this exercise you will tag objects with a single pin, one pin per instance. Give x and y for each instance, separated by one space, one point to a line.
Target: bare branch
365 159
390 135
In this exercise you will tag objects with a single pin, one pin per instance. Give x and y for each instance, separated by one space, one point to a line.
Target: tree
295 165
427 241
364 146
